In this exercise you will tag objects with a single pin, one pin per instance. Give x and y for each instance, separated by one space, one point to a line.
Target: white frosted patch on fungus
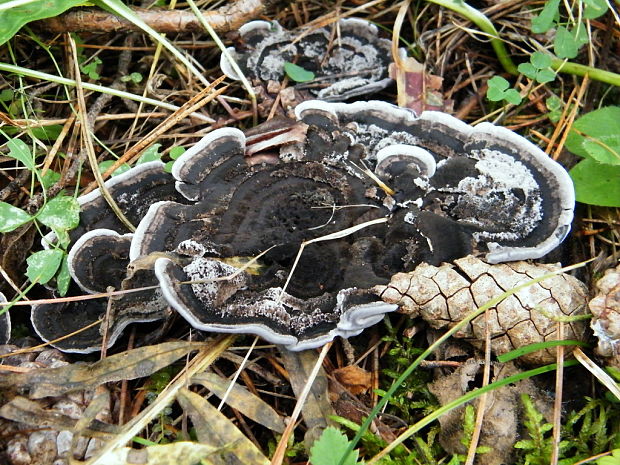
207 283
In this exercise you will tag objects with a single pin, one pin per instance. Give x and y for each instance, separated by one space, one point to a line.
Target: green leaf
7 95
297 73
540 60
21 152
512 96
168 166
47 133
527 69
49 178
63 280
554 103
545 75
599 125
596 184
12 19
43 265
328 449
104 165
12 217
150 154
544 21
564 44
567 43
604 152
136 78
61 212
595 8
90 68
176 152
497 86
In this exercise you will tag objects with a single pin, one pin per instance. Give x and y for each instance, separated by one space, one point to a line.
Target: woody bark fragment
227 18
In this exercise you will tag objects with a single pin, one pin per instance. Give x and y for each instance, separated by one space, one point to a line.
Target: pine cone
605 308
444 295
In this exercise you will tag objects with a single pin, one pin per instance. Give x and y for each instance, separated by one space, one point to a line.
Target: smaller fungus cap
354 63
99 260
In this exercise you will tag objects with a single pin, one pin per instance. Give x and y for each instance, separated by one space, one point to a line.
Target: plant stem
485 25
558 65
94 87
576 69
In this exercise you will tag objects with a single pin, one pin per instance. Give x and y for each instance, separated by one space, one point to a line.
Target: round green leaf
60 213
512 96
540 60
602 124
104 165
150 154
176 152
297 73
596 184
545 75
498 83
527 69
43 265
12 217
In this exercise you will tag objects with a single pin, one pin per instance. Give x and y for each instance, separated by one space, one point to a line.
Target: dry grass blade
598 372
278 455
242 400
482 403
136 363
203 358
215 429
88 142
557 405
189 107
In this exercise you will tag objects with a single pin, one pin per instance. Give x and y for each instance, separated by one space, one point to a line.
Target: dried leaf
136 363
418 89
25 411
241 399
178 453
354 378
317 408
213 428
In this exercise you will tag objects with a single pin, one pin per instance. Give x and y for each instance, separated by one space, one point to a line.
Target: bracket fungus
347 58
286 231
99 259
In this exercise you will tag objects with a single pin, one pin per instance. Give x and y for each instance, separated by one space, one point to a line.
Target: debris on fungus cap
99 258
461 189
347 58
5 321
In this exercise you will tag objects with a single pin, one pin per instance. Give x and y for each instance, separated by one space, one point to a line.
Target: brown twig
227 18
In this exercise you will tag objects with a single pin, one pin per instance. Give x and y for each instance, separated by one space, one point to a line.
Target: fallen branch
227 18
